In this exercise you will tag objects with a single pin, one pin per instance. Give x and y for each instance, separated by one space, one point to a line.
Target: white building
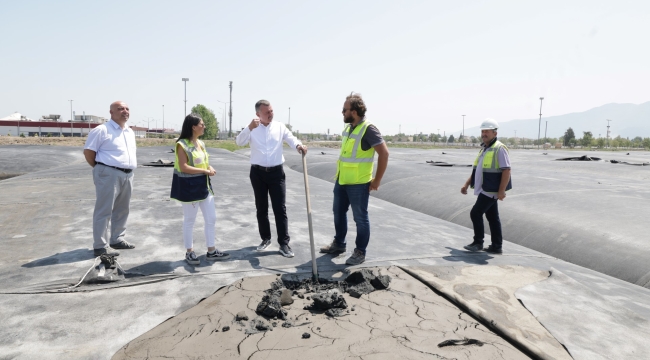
17 124
16 117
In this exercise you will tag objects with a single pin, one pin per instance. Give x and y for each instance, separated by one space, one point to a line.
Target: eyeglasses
344 109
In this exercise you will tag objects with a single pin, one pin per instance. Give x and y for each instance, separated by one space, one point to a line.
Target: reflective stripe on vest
192 154
355 165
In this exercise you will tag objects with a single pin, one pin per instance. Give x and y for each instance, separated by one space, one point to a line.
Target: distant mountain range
629 120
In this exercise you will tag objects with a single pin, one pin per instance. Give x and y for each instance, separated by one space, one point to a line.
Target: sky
419 65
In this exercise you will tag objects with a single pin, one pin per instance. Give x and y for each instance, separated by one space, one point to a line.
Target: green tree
587 137
451 138
209 119
646 143
600 142
568 136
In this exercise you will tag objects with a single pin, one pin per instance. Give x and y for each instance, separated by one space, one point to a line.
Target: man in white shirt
110 150
267 174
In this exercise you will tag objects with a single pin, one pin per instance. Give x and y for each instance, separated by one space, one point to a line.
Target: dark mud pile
328 297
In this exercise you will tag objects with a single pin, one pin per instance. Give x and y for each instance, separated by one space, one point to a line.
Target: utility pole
539 126
185 80
608 120
289 115
72 117
230 113
163 119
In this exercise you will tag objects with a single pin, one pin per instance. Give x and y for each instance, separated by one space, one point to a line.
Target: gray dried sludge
285 297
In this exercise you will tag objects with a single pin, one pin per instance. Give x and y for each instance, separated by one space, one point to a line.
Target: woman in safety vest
191 186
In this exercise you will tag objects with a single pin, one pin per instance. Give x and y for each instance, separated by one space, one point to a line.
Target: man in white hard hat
490 180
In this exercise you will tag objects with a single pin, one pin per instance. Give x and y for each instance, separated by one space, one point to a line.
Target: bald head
120 112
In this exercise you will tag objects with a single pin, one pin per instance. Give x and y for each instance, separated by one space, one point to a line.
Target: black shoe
286 251
493 250
264 245
217 255
473 247
123 245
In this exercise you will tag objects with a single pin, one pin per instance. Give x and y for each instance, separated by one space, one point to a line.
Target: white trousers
209 217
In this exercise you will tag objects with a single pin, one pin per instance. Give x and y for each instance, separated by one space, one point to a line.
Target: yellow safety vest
355 165
490 169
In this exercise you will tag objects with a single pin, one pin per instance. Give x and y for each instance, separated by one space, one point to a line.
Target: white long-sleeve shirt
266 143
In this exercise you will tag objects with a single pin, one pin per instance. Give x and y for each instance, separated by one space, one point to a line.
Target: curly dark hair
357 104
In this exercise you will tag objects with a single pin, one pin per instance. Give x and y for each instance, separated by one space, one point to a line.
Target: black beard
348 120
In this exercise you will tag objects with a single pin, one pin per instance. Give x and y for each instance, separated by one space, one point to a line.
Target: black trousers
488 206
265 184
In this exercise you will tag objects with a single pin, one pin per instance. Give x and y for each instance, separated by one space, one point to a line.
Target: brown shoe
333 248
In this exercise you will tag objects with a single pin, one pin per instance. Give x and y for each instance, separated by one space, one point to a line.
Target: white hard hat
489 124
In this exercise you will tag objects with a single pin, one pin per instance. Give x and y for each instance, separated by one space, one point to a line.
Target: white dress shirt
114 146
266 143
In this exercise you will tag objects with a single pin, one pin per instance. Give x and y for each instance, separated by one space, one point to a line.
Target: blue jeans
355 196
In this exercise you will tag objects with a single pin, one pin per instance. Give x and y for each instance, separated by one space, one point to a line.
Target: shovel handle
311 228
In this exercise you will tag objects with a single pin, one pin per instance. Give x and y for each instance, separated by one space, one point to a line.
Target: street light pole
185 80
163 119
223 121
539 126
71 118
463 128
545 129
230 113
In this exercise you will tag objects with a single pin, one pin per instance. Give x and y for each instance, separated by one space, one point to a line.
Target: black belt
128 171
267 169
